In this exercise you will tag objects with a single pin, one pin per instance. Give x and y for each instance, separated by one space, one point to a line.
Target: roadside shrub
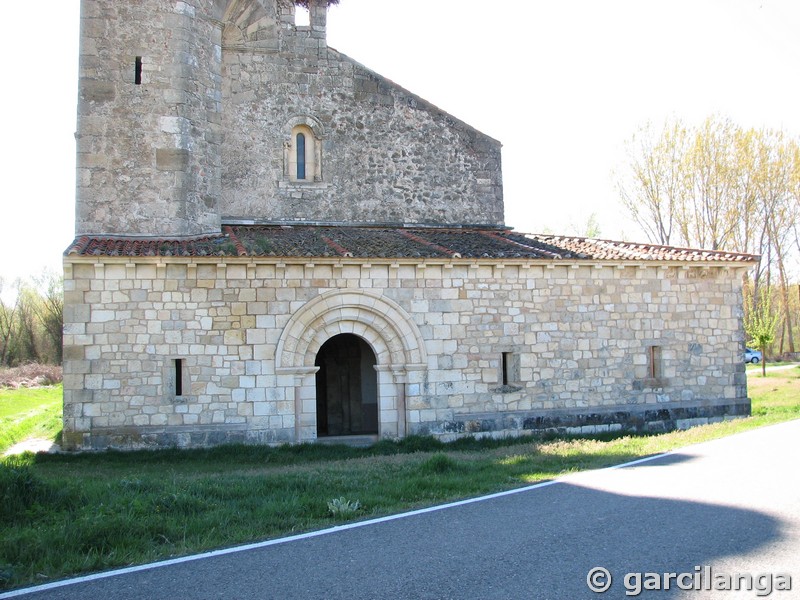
439 464
342 507
30 375
19 489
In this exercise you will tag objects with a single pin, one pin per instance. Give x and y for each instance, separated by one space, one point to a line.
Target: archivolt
385 326
313 124
245 23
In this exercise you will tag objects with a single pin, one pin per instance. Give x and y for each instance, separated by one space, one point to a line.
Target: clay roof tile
394 242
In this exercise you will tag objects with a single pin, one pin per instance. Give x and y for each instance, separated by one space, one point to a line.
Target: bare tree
710 168
7 320
50 310
720 186
655 187
31 322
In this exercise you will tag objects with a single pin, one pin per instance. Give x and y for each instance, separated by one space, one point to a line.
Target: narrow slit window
654 362
509 374
301 156
179 377
137 71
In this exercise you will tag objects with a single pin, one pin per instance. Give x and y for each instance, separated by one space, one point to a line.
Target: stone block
94 91
263 409
172 159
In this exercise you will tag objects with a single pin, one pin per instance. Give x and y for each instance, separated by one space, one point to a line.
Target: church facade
276 244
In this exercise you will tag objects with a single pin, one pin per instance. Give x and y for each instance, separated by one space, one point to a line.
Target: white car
752 356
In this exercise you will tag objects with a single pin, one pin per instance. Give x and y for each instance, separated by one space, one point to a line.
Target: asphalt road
713 510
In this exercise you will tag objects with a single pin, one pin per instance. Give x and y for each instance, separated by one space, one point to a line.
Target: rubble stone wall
188 112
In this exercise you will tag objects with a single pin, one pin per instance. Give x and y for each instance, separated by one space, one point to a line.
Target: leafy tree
26 330
8 316
760 324
590 229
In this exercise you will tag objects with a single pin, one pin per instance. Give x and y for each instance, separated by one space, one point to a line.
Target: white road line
310 534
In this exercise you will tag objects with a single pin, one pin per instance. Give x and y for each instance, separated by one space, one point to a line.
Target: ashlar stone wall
462 347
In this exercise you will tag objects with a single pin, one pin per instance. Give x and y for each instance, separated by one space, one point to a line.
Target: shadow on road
536 544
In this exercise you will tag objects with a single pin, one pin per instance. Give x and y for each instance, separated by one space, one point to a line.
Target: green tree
8 317
590 229
760 324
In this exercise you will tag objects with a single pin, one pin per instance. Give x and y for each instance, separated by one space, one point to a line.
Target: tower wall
188 110
149 112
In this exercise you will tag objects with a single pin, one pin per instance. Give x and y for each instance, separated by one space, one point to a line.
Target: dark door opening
347 387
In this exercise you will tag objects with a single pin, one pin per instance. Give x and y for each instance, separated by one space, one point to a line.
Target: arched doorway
388 330
347 387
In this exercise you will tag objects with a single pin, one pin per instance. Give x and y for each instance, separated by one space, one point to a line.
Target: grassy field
29 413
67 514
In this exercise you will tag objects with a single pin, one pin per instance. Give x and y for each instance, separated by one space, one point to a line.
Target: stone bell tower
192 113
149 111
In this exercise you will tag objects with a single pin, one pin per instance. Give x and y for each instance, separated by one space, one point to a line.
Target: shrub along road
725 507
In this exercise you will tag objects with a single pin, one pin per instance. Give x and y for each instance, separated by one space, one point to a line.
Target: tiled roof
298 241
609 250
219 245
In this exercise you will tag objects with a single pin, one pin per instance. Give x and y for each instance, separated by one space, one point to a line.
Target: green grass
776 397
750 367
29 413
68 514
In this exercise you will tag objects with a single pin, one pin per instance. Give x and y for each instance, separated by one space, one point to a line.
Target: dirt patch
34 445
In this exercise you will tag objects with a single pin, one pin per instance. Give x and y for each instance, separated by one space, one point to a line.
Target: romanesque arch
314 124
383 324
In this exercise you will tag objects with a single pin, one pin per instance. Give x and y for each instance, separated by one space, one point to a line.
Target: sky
561 83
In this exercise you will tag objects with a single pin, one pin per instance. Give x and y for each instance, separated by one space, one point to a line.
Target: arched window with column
303 153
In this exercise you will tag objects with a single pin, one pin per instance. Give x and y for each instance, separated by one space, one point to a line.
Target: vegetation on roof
304 3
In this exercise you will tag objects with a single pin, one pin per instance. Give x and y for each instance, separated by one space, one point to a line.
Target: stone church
276 244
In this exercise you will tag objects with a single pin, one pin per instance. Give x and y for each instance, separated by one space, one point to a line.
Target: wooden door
346 387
